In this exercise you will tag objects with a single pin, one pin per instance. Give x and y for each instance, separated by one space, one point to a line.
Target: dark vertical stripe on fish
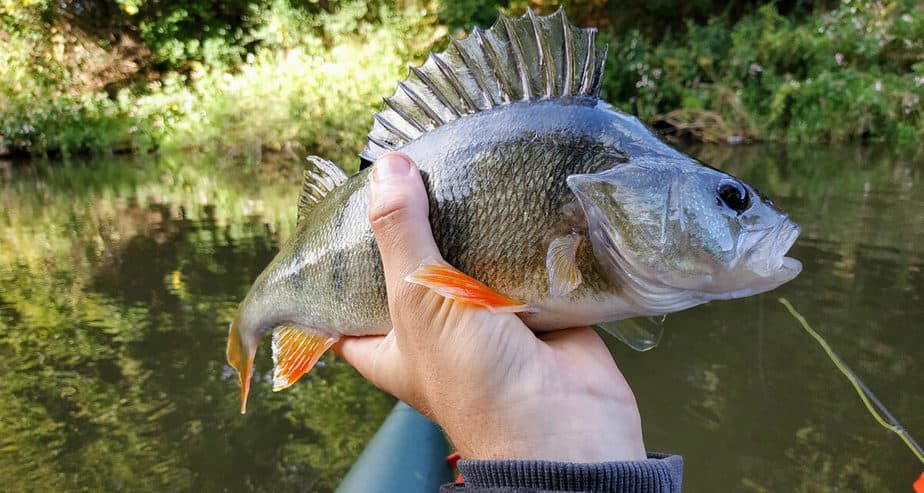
339 262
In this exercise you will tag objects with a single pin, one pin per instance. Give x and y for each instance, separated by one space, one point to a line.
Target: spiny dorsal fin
321 176
528 58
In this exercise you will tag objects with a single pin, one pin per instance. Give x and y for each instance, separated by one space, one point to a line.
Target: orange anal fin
449 282
295 352
919 484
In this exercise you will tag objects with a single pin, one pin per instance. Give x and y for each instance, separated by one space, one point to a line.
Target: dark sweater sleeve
658 474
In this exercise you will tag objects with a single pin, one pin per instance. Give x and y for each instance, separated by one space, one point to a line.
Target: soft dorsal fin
320 177
527 58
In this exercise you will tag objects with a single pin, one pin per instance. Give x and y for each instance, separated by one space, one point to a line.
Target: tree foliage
139 74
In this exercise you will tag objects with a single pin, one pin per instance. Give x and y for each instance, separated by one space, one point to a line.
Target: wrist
581 428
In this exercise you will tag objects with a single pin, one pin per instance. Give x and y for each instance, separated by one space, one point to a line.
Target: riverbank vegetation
300 75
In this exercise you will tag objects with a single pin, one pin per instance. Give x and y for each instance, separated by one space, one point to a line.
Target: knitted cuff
658 474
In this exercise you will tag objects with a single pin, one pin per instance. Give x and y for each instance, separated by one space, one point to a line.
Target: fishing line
866 395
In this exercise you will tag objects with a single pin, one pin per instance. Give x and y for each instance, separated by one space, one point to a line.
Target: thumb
399 214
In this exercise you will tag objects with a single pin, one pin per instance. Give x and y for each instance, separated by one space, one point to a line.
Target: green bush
308 74
845 74
314 81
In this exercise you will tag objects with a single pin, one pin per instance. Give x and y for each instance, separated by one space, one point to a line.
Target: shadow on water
118 278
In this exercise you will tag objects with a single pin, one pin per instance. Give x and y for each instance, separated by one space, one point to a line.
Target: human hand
498 390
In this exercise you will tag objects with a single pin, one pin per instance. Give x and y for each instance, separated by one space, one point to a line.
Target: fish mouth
785 241
768 259
767 263
789 263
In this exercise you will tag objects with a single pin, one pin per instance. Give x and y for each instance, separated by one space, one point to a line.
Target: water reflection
118 280
118 277
745 395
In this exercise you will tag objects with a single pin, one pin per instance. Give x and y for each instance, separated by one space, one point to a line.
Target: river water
118 277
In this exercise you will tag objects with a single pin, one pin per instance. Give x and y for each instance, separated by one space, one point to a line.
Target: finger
374 357
399 214
584 345
581 342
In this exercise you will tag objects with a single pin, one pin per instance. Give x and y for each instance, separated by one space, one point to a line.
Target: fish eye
734 195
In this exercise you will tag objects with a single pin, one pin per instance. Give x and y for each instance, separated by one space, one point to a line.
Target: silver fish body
561 202
498 192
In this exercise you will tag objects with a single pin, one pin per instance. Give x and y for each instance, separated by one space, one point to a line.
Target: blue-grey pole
407 454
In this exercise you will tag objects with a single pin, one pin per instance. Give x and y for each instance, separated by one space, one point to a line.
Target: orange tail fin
295 352
240 357
449 282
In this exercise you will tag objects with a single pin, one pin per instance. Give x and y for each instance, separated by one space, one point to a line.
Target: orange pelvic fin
919 484
295 352
449 282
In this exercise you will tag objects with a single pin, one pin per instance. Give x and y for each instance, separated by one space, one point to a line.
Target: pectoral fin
449 282
640 334
561 263
295 352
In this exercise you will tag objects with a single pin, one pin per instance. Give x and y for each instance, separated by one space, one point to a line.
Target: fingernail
390 166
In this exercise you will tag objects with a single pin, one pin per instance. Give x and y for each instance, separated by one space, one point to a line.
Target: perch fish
564 209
